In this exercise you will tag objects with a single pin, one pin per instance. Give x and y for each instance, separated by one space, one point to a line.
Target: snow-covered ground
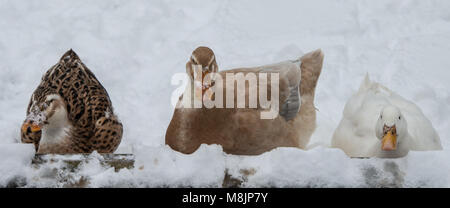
134 48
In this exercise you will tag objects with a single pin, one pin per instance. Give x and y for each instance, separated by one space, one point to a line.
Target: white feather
356 135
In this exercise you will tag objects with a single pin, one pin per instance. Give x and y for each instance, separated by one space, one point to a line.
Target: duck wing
289 88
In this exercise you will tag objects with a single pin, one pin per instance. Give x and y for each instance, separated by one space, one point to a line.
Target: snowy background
134 48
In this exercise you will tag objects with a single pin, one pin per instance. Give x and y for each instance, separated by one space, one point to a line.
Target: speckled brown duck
71 112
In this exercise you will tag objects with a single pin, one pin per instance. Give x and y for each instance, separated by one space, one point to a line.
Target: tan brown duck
242 131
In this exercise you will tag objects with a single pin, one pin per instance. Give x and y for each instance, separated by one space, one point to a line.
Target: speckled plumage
92 124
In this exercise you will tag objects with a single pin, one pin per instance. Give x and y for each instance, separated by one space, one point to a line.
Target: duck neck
57 130
193 94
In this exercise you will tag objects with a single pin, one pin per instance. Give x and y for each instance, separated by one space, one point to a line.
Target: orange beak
204 74
204 86
33 127
389 141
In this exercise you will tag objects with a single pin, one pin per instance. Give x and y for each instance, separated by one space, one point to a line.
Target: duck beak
30 125
209 81
389 141
205 72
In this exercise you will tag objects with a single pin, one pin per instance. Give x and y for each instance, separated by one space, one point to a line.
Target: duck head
391 128
45 111
202 57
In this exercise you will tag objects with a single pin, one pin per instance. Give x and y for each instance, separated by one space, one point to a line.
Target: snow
135 47
15 162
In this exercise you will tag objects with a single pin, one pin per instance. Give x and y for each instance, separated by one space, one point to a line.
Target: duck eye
47 103
399 118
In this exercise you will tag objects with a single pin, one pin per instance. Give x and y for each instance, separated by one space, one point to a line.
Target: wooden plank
389 175
118 161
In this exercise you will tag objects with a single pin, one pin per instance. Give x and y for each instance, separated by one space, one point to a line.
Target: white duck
378 122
